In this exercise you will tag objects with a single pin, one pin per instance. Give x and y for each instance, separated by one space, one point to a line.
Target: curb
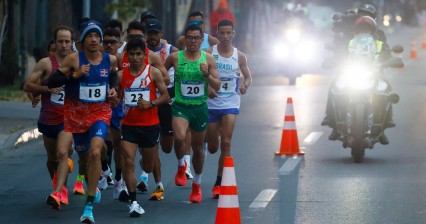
19 137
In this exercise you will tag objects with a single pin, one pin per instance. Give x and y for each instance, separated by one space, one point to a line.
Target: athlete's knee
225 143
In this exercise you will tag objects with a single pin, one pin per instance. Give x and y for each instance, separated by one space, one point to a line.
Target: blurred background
26 26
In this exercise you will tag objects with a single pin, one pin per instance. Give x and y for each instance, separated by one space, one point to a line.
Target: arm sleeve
113 79
58 79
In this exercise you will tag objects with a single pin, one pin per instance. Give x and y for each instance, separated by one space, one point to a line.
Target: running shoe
87 216
124 195
142 184
54 200
118 187
103 183
109 179
135 209
196 195
188 173
98 196
64 195
216 192
78 185
158 194
180 178
70 165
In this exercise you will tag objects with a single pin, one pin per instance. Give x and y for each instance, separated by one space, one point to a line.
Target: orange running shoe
64 195
216 191
180 178
54 200
70 165
196 195
78 185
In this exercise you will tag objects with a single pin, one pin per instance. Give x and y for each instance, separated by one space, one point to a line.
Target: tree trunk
60 14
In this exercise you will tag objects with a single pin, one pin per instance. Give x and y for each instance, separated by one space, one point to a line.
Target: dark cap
148 14
153 25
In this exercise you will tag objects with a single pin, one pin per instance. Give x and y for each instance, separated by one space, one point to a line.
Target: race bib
227 86
192 89
132 95
57 99
93 93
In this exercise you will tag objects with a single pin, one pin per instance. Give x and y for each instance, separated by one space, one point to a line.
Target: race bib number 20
192 89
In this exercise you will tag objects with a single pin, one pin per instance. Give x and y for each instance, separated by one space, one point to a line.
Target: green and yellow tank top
190 83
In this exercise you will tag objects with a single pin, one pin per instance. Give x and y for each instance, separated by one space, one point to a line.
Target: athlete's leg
129 155
197 141
226 130
212 137
180 125
52 162
94 164
63 145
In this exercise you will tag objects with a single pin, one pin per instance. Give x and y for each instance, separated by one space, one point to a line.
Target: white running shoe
103 183
135 210
118 187
188 172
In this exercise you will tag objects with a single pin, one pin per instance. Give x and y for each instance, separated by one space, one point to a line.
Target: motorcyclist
362 25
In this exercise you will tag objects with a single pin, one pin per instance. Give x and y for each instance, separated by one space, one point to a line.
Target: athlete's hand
112 95
34 99
143 104
243 89
83 70
56 90
211 92
204 69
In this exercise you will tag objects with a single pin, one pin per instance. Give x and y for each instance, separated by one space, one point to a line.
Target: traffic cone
424 41
413 52
289 140
228 208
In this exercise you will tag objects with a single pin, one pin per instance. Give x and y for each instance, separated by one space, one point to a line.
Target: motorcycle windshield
363 45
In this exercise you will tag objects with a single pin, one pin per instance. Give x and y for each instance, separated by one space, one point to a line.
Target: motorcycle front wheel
358 131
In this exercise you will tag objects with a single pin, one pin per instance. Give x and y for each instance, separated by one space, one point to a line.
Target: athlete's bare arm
162 88
210 50
211 73
119 61
171 61
40 73
155 61
213 40
112 93
242 61
210 91
174 49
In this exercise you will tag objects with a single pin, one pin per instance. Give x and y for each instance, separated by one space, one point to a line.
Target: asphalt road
325 187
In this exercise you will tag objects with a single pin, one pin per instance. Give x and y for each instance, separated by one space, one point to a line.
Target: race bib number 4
57 99
93 93
132 95
192 89
227 86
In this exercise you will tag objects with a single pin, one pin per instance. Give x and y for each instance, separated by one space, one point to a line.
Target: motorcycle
361 98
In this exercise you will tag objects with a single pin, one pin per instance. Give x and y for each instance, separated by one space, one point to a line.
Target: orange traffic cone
228 208
289 140
413 52
424 41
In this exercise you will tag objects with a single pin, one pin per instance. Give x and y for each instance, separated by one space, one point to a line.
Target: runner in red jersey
140 127
51 121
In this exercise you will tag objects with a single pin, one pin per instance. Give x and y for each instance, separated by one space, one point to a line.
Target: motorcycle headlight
281 51
292 35
355 77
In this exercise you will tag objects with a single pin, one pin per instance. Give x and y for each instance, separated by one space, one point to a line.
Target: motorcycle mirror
336 16
397 49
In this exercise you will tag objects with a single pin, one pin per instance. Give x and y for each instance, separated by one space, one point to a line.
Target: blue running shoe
97 196
142 184
87 216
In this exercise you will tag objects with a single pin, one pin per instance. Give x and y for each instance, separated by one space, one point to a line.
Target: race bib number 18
192 89
132 95
93 93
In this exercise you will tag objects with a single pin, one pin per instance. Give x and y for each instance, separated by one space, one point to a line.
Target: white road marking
264 197
289 165
312 137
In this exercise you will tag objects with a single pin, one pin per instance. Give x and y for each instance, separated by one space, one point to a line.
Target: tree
126 8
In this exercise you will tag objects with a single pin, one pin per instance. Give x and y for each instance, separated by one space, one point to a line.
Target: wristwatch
153 103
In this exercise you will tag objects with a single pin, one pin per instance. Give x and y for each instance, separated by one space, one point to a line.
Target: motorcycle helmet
365 24
368 10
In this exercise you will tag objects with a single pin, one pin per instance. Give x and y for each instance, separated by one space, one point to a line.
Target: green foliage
9 69
126 8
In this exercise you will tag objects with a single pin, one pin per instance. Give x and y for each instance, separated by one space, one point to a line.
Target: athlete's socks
187 159
105 165
144 174
89 200
181 162
218 181
197 178
117 174
132 196
160 184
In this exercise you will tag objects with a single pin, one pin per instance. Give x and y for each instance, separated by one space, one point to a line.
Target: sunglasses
106 42
134 36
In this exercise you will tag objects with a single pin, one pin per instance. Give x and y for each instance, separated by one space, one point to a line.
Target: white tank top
164 51
228 95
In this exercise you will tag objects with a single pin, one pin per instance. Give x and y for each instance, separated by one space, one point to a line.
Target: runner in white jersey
224 104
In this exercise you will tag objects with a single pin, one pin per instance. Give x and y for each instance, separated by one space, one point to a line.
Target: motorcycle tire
358 131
